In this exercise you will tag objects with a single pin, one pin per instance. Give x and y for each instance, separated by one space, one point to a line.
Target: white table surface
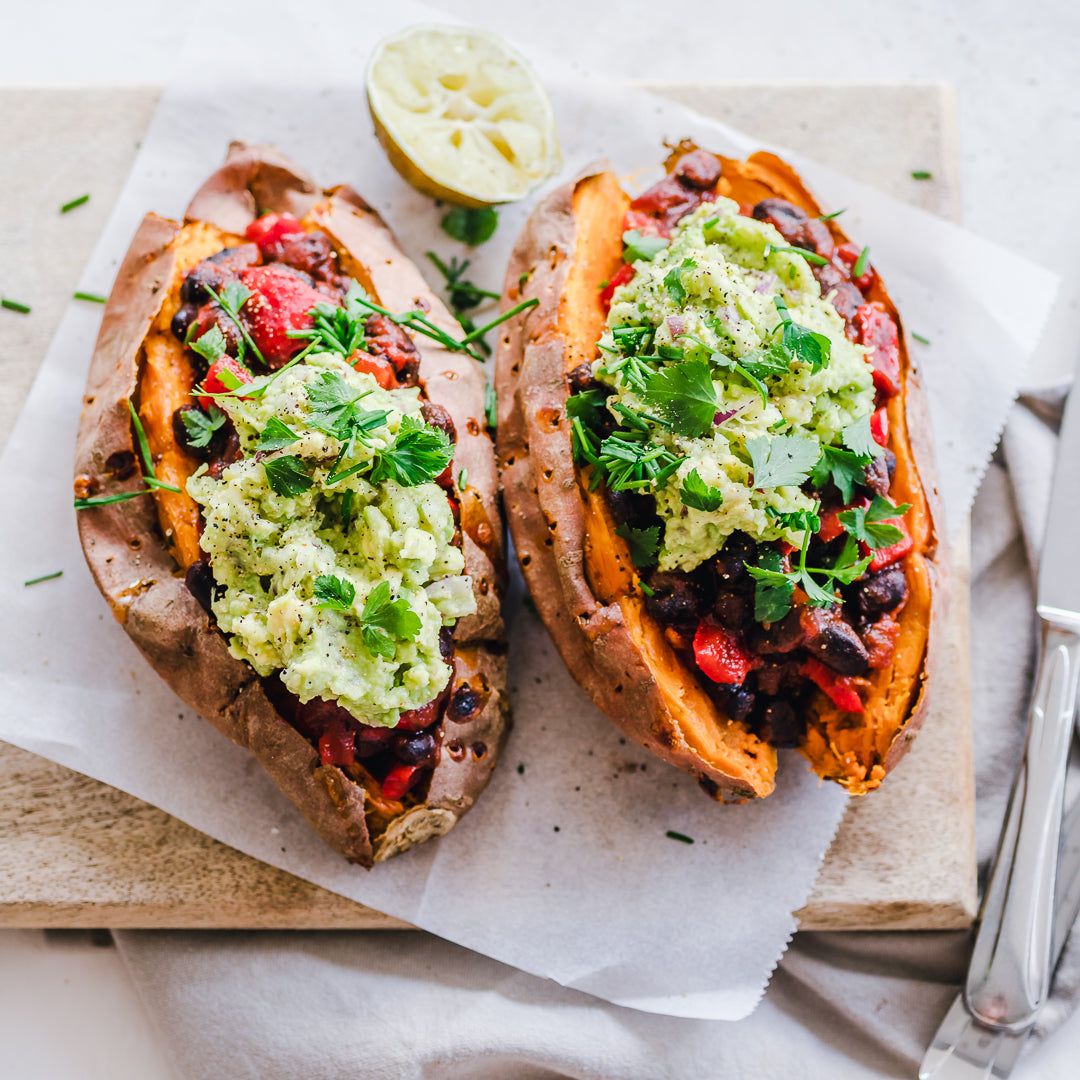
67 1007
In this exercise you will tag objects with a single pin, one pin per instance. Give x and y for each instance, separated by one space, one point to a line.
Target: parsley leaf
848 566
842 467
643 543
200 426
211 344
796 520
673 282
803 345
471 226
335 410
698 495
276 436
641 246
384 619
859 439
783 460
773 589
287 475
684 395
871 524
418 454
334 592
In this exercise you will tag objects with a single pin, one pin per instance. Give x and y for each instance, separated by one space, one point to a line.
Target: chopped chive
74 202
920 338
834 214
711 223
102 500
681 837
921 174
463 479
645 589
155 483
144 446
860 263
14 305
44 577
525 304
94 298
809 256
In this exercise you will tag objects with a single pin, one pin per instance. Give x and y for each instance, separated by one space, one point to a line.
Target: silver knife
1009 976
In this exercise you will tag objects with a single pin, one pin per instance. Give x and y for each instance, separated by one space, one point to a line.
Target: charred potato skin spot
597 625
163 618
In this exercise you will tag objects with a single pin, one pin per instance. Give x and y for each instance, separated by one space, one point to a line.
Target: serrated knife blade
1059 564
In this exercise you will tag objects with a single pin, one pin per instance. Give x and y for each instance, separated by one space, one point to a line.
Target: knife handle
1009 976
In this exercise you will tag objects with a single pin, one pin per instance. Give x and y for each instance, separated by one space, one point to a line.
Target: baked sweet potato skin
601 632
141 575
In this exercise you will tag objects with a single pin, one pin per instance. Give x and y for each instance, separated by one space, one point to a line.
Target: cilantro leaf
859 439
417 455
783 460
334 592
234 296
200 426
276 436
773 589
871 524
471 226
335 410
845 469
698 495
848 566
211 345
673 282
796 520
684 395
771 361
383 620
802 344
643 543
641 246
816 595
287 475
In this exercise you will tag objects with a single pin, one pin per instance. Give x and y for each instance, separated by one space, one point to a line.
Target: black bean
876 476
199 580
890 463
780 637
419 748
439 417
699 169
632 508
837 645
882 592
674 600
732 610
780 726
777 674
785 217
737 551
581 379
183 318
736 701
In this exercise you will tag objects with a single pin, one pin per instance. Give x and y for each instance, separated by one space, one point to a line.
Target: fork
962 1048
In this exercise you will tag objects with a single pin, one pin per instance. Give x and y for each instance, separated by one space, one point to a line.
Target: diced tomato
280 303
216 382
879 426
849 254
876 330
415 719
838 688
648 225
623 276
720 656
893 553
337 746
399 779
271 231
382 370
880 641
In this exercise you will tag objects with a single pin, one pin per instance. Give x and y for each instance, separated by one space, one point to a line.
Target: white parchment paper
564 868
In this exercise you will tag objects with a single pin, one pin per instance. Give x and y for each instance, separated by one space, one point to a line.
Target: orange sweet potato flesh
137 549
579 571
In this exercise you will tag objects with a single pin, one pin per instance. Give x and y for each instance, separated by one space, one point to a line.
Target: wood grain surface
77 853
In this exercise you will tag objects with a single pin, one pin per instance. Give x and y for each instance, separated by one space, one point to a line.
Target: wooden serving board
77 853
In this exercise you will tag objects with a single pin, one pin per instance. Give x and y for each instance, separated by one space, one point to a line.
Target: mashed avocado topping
331 546
732 374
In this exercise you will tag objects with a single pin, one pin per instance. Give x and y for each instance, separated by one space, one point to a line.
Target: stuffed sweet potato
290 502
717 473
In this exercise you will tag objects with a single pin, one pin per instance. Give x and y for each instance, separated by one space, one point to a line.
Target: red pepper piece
271 231
880 641
849 255
386 338
337 746
876 330
415 719
879 426
623 276
886 556
280 303
382 370
720 656
830 519
838 688
399 779
215 384
646 223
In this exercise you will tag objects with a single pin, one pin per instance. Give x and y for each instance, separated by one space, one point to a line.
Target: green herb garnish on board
90 297
471 226
73 203
44 577
14 305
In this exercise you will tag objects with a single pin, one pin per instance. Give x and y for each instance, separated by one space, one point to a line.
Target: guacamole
766 369
331 548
